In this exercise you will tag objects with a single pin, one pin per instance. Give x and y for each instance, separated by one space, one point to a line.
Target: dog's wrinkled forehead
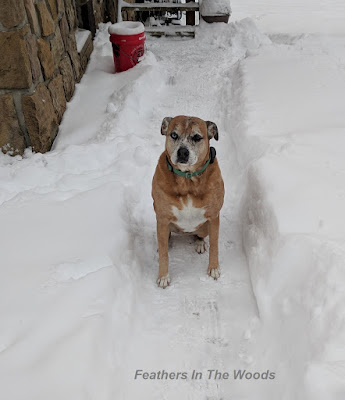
188 126
185 126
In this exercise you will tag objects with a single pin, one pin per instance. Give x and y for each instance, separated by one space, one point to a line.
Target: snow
126 28
293 17
289 138
304 185
80 309
81 37
215 7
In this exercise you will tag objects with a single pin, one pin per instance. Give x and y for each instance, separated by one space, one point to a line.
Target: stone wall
39 67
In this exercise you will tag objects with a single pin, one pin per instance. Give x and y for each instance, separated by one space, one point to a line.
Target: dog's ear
165 124
212 130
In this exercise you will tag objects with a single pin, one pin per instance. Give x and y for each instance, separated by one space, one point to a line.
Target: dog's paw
164 281
200 246
214 273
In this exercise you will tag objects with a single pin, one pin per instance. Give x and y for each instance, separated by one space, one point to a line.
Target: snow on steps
183 31
192 6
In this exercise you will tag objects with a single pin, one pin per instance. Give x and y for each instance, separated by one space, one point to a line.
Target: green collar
188 174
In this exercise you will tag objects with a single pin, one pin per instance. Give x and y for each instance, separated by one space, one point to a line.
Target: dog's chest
189 217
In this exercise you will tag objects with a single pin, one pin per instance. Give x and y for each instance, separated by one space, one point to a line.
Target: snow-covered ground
293 17
80 311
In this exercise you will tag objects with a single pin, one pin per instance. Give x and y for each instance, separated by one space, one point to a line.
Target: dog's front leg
213 267
163 232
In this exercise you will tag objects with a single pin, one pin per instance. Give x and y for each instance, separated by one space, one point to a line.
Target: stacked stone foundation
39 68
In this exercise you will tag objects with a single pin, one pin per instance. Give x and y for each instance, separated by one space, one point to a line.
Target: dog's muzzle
182 155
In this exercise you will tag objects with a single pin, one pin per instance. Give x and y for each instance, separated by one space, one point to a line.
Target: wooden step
172 30
192 6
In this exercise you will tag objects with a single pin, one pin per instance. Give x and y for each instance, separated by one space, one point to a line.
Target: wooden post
119 12
190 16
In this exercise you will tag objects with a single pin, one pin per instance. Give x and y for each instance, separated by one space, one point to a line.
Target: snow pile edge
297 280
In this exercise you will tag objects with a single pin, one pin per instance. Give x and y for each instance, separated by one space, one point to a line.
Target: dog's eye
196 138
173 135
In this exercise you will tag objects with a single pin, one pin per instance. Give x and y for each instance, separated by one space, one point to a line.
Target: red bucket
128 40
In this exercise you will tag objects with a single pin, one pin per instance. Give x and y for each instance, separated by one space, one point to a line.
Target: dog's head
187 140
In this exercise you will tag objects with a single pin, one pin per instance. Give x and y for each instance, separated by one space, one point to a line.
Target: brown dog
187 189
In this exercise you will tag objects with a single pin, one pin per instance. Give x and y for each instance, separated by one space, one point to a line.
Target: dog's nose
182 155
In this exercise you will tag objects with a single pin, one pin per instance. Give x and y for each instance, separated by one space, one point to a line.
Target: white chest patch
189 218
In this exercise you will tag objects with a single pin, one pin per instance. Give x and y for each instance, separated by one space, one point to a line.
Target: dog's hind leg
200 234
200 245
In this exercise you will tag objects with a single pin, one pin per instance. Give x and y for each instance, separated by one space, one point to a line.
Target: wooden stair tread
172 30
192 6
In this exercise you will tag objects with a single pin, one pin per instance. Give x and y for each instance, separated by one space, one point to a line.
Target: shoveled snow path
196 323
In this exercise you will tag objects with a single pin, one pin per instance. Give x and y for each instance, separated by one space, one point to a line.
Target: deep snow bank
289 138
292 17
68 223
